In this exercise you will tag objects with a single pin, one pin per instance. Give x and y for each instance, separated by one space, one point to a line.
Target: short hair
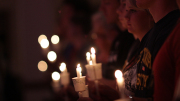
133 3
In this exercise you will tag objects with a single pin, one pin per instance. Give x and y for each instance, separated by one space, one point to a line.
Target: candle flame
88 54
62 67
55 76
78 65
92 50
44 43
63 64
79 68
55 39
51 56
118 74
41 37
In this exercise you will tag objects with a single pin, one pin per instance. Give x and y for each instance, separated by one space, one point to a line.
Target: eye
132 10
124 4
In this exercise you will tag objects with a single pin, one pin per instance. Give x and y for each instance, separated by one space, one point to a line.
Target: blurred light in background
55 39
55 76
42 66
51 56
41 37
62 67
44 43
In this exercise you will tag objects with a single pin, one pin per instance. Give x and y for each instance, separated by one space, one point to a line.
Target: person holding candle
165 19
140 22
121 44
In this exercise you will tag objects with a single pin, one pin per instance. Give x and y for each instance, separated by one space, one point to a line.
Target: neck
161 8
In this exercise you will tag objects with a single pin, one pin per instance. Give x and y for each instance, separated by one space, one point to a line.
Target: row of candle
91 59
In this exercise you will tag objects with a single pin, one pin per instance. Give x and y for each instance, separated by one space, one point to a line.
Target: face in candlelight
139 21
108 7
55 76
121 11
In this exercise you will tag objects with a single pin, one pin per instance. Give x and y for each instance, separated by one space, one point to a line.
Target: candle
78 71
120 82
90 62
55 76
93 56
88 55
63 68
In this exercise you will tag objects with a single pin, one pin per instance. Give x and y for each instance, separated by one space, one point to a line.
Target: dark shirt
150 45
118 54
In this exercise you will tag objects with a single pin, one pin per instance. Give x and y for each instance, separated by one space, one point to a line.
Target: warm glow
41 37
62 67
79 68
55 39
51 56
90 62
92 50
42 66
118 74
44 43
55 76
88 54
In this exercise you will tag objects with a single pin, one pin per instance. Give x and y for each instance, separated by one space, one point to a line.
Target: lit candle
90 62
55 76
78 71
120 81
88 55
63 68
93 56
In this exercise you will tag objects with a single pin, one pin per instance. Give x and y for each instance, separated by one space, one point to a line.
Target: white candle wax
93 56
120 81
78 71
55 77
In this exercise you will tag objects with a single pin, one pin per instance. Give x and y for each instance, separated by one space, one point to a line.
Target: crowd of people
138 37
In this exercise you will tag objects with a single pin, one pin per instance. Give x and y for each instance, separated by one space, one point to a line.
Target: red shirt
166 67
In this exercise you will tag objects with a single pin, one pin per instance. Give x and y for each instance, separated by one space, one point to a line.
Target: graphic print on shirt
130 80
144 70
